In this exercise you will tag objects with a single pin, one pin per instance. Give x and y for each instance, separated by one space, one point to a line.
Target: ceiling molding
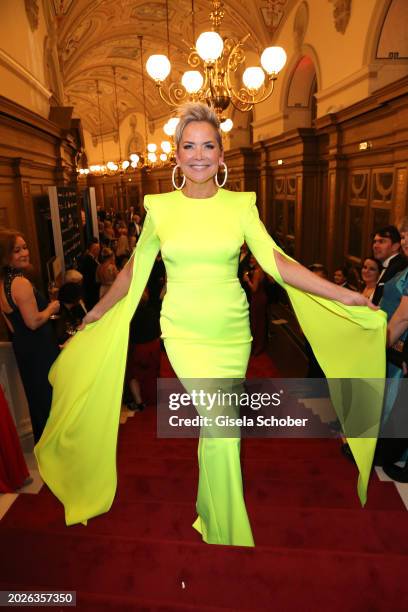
11 64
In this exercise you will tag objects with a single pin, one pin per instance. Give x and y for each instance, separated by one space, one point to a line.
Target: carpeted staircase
316 548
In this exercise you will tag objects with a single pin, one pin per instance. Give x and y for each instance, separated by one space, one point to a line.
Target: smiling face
20 256
199 154
404 242
370 272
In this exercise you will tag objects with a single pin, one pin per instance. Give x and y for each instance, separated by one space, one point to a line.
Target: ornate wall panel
284 205
34 153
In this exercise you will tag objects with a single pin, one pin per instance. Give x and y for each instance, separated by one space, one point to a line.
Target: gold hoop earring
173 179
225 176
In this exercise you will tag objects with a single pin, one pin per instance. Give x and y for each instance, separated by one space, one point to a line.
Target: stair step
143 570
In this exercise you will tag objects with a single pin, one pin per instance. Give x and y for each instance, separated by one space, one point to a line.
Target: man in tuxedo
87 266
137 221
386 248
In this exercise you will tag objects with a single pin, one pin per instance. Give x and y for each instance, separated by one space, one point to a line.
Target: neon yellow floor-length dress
205 327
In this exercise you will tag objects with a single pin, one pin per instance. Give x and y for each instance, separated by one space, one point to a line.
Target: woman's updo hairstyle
106 254
196 111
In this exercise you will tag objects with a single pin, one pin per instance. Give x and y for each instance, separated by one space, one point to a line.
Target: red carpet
316 548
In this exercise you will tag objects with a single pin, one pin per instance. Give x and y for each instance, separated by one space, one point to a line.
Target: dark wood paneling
34 154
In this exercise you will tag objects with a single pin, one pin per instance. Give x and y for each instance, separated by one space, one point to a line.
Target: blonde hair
196 111
106 254
73 276
403 224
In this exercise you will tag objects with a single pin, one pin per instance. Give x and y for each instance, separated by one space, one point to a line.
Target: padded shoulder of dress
156 198
246 198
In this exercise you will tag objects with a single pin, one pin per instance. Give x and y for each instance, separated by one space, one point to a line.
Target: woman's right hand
90 317
54 307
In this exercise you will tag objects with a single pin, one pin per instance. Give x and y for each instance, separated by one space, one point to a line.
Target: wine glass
53 295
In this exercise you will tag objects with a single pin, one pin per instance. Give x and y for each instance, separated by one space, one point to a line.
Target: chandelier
150 158
214 63
110 168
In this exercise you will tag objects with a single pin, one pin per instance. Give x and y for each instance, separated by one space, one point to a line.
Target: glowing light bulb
192 81
273 59
253 77
158 67
165 146
227 125
170 126
209 46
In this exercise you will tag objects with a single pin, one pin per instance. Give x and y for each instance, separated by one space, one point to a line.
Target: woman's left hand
353 298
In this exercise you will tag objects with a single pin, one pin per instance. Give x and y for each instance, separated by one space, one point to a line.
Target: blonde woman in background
107 271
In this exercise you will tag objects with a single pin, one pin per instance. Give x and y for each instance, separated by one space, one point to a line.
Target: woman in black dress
27 315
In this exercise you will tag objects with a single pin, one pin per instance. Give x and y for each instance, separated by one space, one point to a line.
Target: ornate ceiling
95 35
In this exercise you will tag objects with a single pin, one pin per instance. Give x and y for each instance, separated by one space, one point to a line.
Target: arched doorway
300 104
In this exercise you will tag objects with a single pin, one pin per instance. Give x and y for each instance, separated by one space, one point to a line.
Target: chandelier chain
144 95
100 121
117 111
168 28
193 21
217 15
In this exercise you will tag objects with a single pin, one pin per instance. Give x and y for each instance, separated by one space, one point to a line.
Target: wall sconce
365 145
280 162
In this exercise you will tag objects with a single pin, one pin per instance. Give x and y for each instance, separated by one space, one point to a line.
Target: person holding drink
27 314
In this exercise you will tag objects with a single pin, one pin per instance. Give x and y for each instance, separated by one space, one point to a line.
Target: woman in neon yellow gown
205 328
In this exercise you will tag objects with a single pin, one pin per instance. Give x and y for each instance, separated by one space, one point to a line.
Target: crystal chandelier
218 60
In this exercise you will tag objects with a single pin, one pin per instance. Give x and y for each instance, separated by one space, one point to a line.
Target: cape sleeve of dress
349 344
77 452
